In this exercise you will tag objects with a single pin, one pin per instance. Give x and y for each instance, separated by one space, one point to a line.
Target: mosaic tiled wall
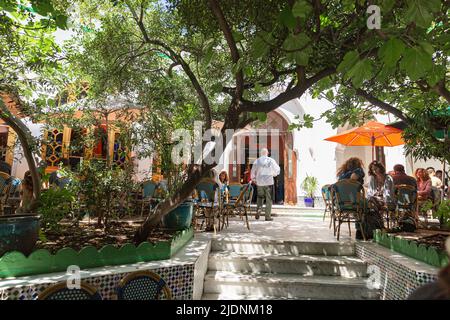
180 279
397 280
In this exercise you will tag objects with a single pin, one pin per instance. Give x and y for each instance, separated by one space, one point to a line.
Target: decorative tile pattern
397 280
180 280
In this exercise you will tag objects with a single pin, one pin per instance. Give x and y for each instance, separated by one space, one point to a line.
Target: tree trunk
26 140
196 173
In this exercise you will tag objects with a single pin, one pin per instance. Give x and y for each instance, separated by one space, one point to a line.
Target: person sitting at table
352 169
423 185
26 194
400 177
381 186
222 183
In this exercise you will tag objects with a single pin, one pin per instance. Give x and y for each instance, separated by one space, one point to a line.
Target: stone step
288 286
219 296
344 266
281 247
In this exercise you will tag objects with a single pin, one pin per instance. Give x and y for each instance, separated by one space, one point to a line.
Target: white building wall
20 165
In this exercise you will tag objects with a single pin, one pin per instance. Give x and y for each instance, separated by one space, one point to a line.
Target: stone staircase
270 270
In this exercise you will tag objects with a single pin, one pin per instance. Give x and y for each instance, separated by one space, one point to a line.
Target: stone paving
284 228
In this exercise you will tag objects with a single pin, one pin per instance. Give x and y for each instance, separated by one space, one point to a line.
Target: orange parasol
373 134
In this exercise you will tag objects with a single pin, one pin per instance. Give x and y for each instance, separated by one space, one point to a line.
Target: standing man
263 170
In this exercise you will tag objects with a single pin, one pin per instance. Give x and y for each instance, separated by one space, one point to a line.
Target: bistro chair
239 206
348 204
143 285
147 193
207 209
407 204
5 186
61 292
326 195
12 199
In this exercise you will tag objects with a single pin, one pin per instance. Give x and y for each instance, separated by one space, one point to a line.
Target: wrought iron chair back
234 190
143 285
348 203
147 193
406 197
208 209
326 195
148 189
5 186
60 291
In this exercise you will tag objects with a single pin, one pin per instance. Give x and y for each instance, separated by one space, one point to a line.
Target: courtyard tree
401 70
28 59
231 54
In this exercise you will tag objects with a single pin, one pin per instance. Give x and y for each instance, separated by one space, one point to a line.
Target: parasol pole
372 142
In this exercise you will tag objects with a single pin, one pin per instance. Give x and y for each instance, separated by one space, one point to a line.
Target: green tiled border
409 248
14 264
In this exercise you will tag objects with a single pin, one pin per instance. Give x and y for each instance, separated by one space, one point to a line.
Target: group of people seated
380 194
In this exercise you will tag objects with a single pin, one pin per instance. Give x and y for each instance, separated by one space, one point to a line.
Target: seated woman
351 169
423 185
381 186
380 196
26 194
222 184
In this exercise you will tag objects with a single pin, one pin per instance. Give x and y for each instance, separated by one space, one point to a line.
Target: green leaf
349 61
209 52
258 87
61 21
43 7
262 116
427 47
286 18
420 11
301 9
387 5
237 36
259 47
296 41
302 57
416 62
237 66
217 87
391 51
386 72
8 5
361 71
436 74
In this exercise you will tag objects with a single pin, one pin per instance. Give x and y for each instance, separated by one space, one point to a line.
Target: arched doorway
279 141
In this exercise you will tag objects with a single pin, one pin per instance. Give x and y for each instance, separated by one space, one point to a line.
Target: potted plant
310 185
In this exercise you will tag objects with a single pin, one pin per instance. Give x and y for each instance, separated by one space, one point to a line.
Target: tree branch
226 30
442 90
288 94
25 139
382 105
177 58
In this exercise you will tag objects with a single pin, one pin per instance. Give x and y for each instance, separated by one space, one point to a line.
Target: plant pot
18 233
309 202
179 218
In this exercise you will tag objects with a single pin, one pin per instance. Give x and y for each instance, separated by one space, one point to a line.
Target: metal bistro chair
61 292
207 209
143 285
326 195
407 203
5 186
241 206
12 199
234 190
148 191
348 204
